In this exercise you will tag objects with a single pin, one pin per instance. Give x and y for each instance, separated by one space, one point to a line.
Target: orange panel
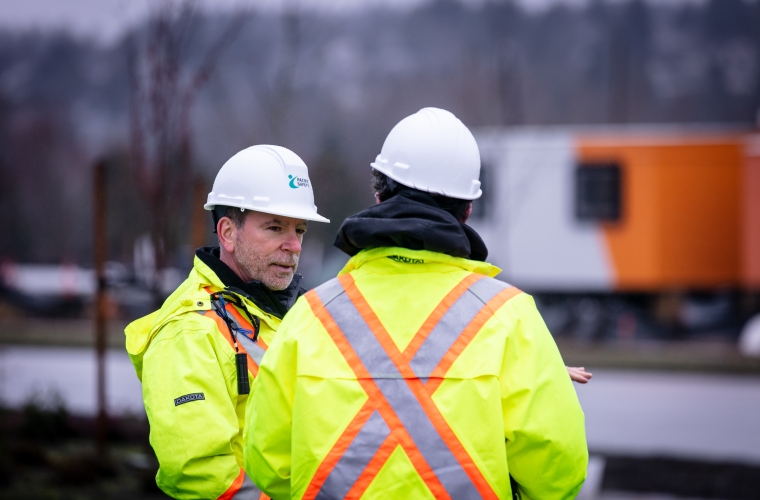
681 205
751 216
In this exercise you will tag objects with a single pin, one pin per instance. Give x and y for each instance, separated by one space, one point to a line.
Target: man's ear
227 233
466 215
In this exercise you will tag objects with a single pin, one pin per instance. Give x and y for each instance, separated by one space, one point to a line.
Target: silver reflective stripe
452 324
355 459
487 288
401 399
254 350
329 290
436 452
247 491
360 336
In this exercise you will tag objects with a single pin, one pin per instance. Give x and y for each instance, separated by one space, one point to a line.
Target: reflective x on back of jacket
400 385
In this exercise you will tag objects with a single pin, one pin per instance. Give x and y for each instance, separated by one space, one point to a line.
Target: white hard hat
432 151
268 179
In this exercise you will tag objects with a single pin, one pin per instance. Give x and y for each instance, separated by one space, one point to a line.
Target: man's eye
274 228
300 231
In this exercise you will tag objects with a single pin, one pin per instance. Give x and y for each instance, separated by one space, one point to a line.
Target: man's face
267 248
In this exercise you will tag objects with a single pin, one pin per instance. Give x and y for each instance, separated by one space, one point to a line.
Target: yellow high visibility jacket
415 374
183 354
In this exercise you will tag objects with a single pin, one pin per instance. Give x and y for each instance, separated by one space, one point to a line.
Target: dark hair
380 185
386 188
236 215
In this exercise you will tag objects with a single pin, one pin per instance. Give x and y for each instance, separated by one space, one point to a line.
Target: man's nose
292 242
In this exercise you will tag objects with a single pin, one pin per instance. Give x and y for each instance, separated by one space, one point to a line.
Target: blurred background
620 145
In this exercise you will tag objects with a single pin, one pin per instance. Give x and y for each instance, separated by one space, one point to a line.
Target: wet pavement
694 416
48 373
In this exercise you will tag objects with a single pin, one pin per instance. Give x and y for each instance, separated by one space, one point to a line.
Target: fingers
579 374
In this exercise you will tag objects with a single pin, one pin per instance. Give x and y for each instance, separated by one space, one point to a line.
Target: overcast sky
106 20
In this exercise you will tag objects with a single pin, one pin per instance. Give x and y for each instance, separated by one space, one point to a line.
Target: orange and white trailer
647 210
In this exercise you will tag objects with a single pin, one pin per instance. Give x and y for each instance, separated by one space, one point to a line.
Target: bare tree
302 37
163 91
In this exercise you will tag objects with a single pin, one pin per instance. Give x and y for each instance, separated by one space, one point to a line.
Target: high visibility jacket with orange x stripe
414 375
184 354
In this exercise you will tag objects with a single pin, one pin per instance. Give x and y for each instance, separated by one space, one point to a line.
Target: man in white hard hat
197 355
415 373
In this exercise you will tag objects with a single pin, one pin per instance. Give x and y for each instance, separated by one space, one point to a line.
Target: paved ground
715 417
712 417
69 372
619 495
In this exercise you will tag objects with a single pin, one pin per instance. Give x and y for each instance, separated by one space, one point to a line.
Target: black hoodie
410 219
274 302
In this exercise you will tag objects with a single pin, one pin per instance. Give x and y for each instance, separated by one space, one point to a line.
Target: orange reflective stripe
416 385
375 325
472 329
466 314
253 365
340 447
438 313
373 468
376 400
245 323
337 336
242 488
234 487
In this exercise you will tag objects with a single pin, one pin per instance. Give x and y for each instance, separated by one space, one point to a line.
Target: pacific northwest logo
297 182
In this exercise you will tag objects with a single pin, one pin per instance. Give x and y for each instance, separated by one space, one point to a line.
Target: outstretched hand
579 374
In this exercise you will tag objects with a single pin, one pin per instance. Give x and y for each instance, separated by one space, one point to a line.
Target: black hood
411 219
274 302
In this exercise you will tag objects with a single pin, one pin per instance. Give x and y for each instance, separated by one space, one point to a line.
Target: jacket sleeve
543 421
189 398
269 416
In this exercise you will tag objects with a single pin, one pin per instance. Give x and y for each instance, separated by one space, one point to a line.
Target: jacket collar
274 302
398 257
411 219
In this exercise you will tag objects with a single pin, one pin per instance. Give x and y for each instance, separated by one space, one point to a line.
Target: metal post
99 257
199 222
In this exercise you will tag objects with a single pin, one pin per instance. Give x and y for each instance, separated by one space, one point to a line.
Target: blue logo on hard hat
297 182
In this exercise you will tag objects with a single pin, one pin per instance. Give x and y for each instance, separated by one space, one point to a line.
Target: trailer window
597 192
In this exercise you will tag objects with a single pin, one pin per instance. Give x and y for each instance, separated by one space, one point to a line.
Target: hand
579 374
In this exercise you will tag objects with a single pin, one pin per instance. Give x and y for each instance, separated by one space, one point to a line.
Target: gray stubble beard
257 267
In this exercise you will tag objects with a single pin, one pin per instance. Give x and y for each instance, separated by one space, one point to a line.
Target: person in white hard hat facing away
415 373
197 355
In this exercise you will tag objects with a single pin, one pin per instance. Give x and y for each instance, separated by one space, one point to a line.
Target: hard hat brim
460 196
313 217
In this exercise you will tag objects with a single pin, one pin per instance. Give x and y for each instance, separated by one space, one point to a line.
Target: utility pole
99 257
